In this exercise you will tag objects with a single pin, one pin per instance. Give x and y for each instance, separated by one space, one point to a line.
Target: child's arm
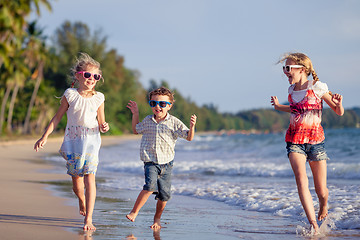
335 102
132 105
192 128
280 107
53 123
103 126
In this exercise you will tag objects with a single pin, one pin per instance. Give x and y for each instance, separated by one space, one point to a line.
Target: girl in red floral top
305 135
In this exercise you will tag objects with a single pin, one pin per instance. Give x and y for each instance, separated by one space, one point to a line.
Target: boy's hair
162 91
301 59
83 62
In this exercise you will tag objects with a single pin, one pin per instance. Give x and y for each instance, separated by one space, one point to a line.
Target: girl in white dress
84 108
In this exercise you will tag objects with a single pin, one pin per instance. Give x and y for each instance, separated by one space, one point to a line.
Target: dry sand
28 209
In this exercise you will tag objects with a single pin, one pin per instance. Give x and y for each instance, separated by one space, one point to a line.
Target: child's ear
78 76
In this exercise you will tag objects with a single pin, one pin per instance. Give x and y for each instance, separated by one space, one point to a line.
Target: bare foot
131 216
323 212
156 234
156 224
315 227
130 237
82 208
89 226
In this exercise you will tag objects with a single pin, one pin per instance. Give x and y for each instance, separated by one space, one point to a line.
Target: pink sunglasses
97 77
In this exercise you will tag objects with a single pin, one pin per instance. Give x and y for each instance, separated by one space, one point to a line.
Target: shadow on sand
39 220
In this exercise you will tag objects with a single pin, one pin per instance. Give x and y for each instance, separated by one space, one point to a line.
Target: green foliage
275 121
348 120
120 85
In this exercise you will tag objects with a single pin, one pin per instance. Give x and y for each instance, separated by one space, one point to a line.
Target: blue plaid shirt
158 140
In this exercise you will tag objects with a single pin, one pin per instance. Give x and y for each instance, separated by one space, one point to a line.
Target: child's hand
337 99
40 143
132 105
104 127
193 120
191 132
274 101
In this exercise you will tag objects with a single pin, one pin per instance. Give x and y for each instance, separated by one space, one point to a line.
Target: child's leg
90 196
78 188
318 169
160 206
140 201
164 184
298 164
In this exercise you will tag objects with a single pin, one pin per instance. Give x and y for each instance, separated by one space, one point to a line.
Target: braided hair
303 60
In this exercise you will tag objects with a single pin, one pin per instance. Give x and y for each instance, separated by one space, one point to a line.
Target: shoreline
37 203
31 209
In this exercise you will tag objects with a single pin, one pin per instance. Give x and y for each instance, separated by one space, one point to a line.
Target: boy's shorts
313 152
158 179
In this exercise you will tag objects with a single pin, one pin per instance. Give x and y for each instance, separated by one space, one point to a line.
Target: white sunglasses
287 68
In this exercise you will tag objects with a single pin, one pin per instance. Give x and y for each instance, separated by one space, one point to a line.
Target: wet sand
29 209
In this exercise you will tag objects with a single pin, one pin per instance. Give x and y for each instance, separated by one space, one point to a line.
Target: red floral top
305 120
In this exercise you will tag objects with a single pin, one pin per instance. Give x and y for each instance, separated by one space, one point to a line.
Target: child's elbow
340 111
134 131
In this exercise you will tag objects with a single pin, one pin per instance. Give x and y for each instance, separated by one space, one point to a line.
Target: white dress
82 141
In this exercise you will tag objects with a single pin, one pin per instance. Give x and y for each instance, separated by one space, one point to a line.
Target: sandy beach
37 201
29 209
34 210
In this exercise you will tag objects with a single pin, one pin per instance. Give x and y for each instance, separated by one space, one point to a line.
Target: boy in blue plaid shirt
160 132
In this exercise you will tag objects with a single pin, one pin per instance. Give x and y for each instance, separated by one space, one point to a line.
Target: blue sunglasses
162 104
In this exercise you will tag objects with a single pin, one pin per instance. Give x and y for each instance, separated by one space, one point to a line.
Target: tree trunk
33 97
41 121
3 106
11 108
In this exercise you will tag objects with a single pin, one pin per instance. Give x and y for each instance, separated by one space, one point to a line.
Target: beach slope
28 209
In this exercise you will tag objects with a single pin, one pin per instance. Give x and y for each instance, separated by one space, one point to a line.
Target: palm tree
20 73
12 22
4 101
36 54
12 31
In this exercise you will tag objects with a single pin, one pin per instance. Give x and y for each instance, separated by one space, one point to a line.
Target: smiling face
295 74
86 84
160 113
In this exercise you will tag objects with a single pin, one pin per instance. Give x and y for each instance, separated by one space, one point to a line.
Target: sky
224 52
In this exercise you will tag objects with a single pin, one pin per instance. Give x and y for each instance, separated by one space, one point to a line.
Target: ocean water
247 172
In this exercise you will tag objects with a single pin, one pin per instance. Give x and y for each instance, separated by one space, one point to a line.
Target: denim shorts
158 179
313 152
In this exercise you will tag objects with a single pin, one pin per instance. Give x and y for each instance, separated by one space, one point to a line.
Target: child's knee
147 192
77 189
164 194
322 193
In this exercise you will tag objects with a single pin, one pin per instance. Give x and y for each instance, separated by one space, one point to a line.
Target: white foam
251 172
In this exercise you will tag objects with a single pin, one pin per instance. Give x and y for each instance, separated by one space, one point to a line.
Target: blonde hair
301 59
162 91
82 63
